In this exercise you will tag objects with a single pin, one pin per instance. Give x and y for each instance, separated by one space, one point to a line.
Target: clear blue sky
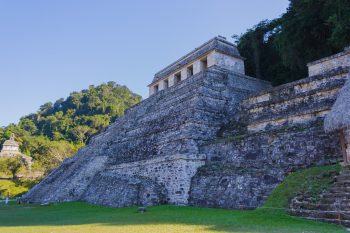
50 48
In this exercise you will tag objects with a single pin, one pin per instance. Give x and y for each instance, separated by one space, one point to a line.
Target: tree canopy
278 50
59 129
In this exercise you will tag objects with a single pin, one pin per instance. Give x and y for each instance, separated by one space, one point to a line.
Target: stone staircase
332 206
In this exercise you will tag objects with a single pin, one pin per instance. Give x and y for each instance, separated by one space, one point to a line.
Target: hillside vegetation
57 130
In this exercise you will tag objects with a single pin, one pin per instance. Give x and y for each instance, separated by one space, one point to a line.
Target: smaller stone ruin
10 149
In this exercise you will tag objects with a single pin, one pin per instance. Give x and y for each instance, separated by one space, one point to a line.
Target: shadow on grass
219 220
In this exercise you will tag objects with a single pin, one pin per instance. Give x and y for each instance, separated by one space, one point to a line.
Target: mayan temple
208 135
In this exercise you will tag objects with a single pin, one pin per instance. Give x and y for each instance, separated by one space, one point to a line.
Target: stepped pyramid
149 155
208 135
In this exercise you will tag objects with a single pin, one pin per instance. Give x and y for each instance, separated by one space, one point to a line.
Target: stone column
163 85
184 73
151 91
171 80
347 142
197 67
212 59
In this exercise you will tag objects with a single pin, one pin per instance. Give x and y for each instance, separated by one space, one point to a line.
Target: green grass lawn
82 217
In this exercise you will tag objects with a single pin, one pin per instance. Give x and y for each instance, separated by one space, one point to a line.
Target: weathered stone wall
110 189
294 103
242 171
69 181
173 172
277 131
328 63
157 140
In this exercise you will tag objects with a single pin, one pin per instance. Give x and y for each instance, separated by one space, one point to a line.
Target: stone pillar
162 85
171 80
152 89
184 73
197 67
212 60
347 140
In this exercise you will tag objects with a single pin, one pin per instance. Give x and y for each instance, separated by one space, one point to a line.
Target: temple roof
218 43
339 116
11 141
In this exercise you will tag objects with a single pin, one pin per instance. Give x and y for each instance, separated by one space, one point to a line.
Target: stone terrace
294 103
277 131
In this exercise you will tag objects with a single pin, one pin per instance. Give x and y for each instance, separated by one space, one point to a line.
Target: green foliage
81 115
14 188
309 182
59 129
56 152
11 165
279 50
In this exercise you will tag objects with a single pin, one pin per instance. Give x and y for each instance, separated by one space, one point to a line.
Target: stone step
342 177
334 201
336 195
331 215
345 223
344 173
321 207
342 184
345 168
340 190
